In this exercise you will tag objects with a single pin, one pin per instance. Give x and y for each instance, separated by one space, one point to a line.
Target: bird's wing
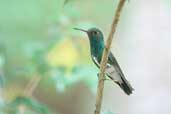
118 76
114 72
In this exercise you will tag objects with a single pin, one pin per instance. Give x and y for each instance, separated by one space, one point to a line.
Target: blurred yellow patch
63 54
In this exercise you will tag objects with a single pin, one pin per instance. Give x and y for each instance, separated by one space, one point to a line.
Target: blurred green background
45 65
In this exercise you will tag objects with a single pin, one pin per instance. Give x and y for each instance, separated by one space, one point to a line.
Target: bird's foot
104 79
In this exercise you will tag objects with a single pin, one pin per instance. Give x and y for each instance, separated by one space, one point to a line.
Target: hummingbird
112 70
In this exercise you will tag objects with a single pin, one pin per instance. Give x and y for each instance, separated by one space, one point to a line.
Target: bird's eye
95 32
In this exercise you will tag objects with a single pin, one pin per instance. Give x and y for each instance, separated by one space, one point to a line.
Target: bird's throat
97 50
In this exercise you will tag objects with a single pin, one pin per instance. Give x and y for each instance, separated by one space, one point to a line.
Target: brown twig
105 57
30 87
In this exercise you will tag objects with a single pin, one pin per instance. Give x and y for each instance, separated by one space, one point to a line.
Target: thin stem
105 57
30 87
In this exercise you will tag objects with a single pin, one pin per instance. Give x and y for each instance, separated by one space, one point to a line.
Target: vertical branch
106 52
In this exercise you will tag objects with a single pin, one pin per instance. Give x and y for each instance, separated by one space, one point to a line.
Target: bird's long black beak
81 29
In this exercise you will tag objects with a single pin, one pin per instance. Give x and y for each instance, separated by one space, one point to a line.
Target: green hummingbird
113 70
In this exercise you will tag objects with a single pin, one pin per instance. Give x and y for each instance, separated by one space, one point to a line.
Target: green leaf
31 104
84 73
2 81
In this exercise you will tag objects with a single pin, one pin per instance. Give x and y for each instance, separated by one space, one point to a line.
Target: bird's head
94 34
96 40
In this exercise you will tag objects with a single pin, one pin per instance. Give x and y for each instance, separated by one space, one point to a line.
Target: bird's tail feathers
125 86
